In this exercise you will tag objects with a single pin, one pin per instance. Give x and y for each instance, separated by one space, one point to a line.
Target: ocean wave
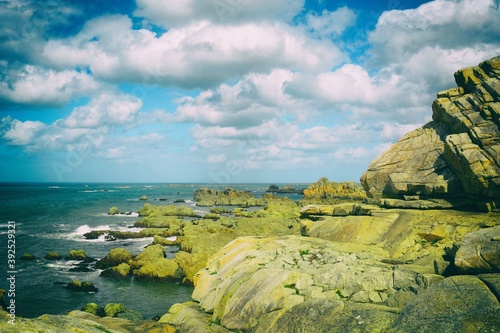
83 229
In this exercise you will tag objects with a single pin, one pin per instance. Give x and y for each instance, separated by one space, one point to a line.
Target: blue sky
224 91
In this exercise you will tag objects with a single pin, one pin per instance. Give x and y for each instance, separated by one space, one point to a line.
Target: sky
224 91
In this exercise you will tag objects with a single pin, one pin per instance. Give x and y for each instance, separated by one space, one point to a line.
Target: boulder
325 189
209 197
27 257
79 255
479 251
115 257
455 157
119 310
120 272
52 256
94 309
113 211
161 270
344 209
82 286
456 304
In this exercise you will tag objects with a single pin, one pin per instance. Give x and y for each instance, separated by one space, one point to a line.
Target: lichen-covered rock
161 270
113 211
325 189
456 304
115 257
52 323
479 251
209 197
94 309
325 316
27 257
82 286
122 325
122 271
79 255
170 210
454 157
253 278
52 256
187 317
344 209
120 310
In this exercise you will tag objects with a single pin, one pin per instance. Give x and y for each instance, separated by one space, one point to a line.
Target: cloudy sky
224 91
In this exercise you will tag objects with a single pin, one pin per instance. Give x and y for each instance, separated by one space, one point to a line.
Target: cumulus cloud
84 128
449 24
253 100
330 24
174 13
104 110
23 133
32 85
198 55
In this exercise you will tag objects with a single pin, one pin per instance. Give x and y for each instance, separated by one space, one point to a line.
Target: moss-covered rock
83 286
143 197
78 255
170 210
27 257
324 189
115 257
52 256
164 241
159 222
113 211
94 309
161 270
209 197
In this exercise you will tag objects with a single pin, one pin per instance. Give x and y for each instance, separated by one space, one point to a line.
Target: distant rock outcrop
325 189
454 158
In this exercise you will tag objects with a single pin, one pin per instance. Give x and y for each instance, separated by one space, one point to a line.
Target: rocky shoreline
416 249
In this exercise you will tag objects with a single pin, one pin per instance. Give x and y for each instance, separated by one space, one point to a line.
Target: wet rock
115 257
27 257
82 286
52 256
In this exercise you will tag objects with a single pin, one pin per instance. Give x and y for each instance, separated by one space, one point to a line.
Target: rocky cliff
453 160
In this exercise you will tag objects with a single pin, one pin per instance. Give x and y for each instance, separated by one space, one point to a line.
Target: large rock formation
454 159
324 189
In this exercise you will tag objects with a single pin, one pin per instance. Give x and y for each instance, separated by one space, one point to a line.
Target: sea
53 218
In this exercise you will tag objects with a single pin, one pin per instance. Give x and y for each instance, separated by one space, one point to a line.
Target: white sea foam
83 229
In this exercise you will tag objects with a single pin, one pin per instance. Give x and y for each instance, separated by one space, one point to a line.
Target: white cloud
37 86
173 13
104 110
198 55
330 24
449 24
23 133
254 99
84 129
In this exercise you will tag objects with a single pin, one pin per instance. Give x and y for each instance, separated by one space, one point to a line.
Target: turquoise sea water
53 217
